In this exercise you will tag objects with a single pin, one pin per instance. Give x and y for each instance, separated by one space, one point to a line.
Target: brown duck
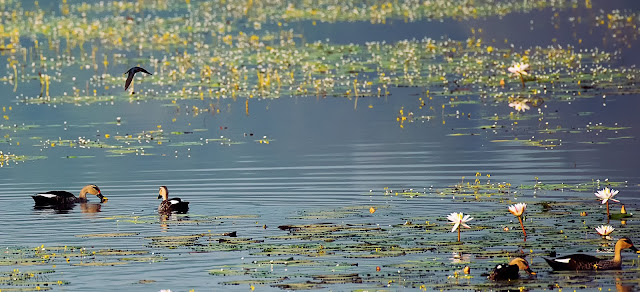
511 271
171 205
58 198
587 262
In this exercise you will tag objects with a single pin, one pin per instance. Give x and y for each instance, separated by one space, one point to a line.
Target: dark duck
171 205
576 262
510 271
64 198
132 72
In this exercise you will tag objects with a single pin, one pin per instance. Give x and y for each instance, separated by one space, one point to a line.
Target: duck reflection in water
168 218
621 287
86 208
90 207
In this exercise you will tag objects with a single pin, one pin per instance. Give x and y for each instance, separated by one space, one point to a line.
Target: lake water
250 165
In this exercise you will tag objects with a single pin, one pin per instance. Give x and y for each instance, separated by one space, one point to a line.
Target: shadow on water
67 208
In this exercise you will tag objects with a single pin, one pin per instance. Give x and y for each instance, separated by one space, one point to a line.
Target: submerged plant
605 230
605 195
517 210
458 220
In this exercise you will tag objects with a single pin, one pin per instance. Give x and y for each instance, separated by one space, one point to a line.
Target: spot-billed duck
171 205
510 271
588 262
57 198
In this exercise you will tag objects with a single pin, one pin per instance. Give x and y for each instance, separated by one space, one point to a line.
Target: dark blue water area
325 137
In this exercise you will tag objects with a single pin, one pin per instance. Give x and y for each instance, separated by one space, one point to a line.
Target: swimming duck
171 205
131 72
587 262
57 198
510 272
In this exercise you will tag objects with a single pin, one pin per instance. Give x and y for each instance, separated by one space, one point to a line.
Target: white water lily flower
520 105
604 230
517 209
459 219
519 68
607 194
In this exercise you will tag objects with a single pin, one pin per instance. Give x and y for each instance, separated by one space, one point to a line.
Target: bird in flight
132 72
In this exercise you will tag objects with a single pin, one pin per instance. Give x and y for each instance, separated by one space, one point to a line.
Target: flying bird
131 73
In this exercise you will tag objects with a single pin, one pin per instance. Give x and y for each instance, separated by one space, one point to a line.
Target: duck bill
103 199
159 196
530 272
633 248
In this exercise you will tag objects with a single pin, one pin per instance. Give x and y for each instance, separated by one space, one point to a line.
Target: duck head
522 265
93 190
625 243
163 193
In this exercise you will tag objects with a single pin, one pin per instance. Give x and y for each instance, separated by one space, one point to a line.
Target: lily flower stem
521 80
458 233
522 225
608 216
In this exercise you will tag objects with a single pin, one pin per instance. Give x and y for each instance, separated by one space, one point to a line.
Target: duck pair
64 198
572 262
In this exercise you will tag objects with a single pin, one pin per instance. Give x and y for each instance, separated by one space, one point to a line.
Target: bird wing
583 258
140 69
52 194
129 79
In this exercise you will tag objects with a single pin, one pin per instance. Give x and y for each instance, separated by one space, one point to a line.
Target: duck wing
573 262
178 205
53 198
175 201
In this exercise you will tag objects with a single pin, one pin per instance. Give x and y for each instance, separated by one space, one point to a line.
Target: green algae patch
118 252
102 235
337 213
299 286
593 185
173 242
36 280
99 264
152 259
253 282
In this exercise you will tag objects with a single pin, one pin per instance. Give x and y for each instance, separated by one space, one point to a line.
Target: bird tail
553 264
40 200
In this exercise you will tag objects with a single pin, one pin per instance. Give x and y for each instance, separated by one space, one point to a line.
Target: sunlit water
323 155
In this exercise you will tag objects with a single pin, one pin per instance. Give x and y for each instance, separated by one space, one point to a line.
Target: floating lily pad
124 234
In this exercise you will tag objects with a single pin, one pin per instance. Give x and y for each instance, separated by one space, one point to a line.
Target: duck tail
553 264
40 200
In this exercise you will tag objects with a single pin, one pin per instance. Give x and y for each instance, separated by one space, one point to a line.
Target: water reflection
66 208
166 218
53 209
90 207
621 287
